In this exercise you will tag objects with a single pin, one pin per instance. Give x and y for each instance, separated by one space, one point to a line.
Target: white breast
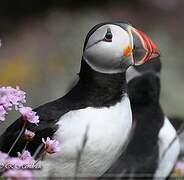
167 162
108 129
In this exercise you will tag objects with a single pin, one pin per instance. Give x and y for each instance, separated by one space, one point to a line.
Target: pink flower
29 135
17 96
26 157
29 115
51 146
24 161
4 101
14 96
3 157
14 174
2 113
179 168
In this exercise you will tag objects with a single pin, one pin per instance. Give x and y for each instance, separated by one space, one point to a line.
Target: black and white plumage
98 105
147 154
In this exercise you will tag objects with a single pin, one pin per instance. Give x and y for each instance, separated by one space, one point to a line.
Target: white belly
167 162
108 129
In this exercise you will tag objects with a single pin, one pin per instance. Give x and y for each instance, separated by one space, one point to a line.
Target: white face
108 55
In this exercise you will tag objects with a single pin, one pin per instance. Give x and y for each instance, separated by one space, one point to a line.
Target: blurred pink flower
4 101
51 146
3 157
26 157
14 162
29 135
8 97
2 113
15 174
179 168
15 96
29 115
24 160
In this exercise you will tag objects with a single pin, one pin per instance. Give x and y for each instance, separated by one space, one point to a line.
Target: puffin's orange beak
151 47
144 48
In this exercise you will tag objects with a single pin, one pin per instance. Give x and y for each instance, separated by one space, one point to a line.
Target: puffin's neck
100 90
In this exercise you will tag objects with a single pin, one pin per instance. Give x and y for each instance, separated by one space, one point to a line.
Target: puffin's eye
108 35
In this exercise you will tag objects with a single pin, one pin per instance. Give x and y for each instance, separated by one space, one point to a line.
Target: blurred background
42 43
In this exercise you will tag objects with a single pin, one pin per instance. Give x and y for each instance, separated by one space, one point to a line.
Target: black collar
98 89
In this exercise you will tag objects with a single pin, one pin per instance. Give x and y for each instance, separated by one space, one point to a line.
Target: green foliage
2 178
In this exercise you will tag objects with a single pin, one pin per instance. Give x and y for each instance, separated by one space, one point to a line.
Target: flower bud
29 135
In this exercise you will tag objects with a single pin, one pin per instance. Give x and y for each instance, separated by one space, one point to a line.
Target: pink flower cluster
14 97
51 146
10 97
11 167
14 167
3 157
23 160
18 167
17 174
29 115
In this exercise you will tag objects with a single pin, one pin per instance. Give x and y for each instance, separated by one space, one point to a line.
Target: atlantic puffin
97 108
154 146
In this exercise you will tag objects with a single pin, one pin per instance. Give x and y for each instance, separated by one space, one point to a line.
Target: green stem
25 147
38 150
41 157
16 140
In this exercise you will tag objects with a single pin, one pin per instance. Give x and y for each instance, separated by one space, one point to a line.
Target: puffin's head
113 47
